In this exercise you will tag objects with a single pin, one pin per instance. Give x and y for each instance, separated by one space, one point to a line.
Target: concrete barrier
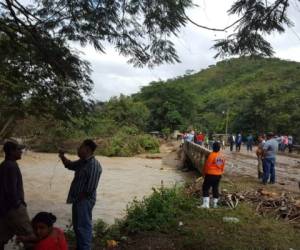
195 154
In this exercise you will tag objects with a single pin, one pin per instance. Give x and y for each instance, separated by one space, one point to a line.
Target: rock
231 220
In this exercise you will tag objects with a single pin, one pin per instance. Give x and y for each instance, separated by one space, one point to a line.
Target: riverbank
170 219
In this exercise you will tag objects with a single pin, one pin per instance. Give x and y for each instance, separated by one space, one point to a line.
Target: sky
113 76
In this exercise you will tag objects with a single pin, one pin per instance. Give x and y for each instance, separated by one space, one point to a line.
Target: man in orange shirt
212 172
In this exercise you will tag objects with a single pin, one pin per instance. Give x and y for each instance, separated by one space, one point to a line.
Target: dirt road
245 163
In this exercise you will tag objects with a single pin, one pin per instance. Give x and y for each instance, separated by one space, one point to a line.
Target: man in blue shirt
270 149
82 194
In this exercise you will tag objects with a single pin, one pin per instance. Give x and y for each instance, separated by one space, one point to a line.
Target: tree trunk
6 129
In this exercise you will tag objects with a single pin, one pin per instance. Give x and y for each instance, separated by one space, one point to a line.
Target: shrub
158 212
129 141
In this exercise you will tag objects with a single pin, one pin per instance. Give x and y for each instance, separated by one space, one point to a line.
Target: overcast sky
113 76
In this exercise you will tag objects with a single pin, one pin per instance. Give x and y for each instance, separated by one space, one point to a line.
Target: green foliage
171 106
128 141
158 212
260 95
126 112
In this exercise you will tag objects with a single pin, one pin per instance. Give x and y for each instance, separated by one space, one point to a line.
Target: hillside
259 95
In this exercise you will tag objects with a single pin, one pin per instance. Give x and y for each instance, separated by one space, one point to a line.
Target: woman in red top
213 170
50 238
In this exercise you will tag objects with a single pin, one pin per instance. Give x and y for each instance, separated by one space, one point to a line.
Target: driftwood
281 205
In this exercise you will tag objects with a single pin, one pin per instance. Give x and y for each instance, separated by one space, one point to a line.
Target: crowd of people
40 233
267 147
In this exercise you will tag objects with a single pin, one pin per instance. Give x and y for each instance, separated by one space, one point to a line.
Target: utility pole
226 125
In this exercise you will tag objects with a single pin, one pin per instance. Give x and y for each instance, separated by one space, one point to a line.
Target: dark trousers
269 170
82 224
231 146
211 181
238 147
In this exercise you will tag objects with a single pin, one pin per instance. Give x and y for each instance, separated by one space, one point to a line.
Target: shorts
15 222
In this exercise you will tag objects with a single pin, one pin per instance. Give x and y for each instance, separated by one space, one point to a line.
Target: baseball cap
12 146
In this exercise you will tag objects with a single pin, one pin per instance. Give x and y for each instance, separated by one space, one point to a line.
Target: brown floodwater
47 182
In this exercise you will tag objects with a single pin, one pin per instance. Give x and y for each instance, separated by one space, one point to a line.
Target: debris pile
281 205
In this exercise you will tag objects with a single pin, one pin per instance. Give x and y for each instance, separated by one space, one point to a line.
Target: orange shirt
214 164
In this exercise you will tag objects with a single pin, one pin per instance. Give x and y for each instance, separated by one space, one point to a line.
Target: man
250 142
14 219
82 194
238 142
290 143
259 154
270 149
231 141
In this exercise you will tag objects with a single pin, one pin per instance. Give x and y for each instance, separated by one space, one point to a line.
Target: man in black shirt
14 219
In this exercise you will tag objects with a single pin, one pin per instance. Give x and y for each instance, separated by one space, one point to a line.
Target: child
49 237
213 170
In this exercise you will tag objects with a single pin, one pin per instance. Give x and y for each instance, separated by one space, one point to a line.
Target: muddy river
47 182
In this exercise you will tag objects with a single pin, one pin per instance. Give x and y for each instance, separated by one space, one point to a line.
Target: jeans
82 223
269 170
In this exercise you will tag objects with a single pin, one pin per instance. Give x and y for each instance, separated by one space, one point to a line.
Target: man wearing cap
270 149
14 219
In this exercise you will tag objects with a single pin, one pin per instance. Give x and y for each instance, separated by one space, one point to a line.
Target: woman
49 237
213 170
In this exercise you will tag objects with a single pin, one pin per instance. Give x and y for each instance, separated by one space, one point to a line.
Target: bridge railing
196 154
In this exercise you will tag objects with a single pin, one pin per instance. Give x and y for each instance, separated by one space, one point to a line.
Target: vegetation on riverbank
170 219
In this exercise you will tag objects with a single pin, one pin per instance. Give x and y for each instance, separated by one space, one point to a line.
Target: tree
170 106
39 70
49 76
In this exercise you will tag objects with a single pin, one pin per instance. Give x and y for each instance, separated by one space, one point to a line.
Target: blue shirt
270 147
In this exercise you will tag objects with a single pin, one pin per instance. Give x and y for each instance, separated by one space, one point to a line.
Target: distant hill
259 95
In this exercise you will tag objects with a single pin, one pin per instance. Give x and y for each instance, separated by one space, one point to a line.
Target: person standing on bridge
213 170
200 138
270 149
82 194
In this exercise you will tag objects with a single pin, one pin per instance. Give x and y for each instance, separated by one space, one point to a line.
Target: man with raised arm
82 194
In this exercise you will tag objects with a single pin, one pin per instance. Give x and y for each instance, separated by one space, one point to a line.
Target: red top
200 137
55 241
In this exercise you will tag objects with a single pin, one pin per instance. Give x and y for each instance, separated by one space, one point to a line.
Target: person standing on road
238 142
213 170
290 143
259 154
270 149
14 219
250 142
231 141
82 194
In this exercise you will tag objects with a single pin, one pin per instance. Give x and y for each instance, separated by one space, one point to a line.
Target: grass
170 219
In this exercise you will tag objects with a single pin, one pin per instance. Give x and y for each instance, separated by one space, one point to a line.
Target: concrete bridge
194 155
